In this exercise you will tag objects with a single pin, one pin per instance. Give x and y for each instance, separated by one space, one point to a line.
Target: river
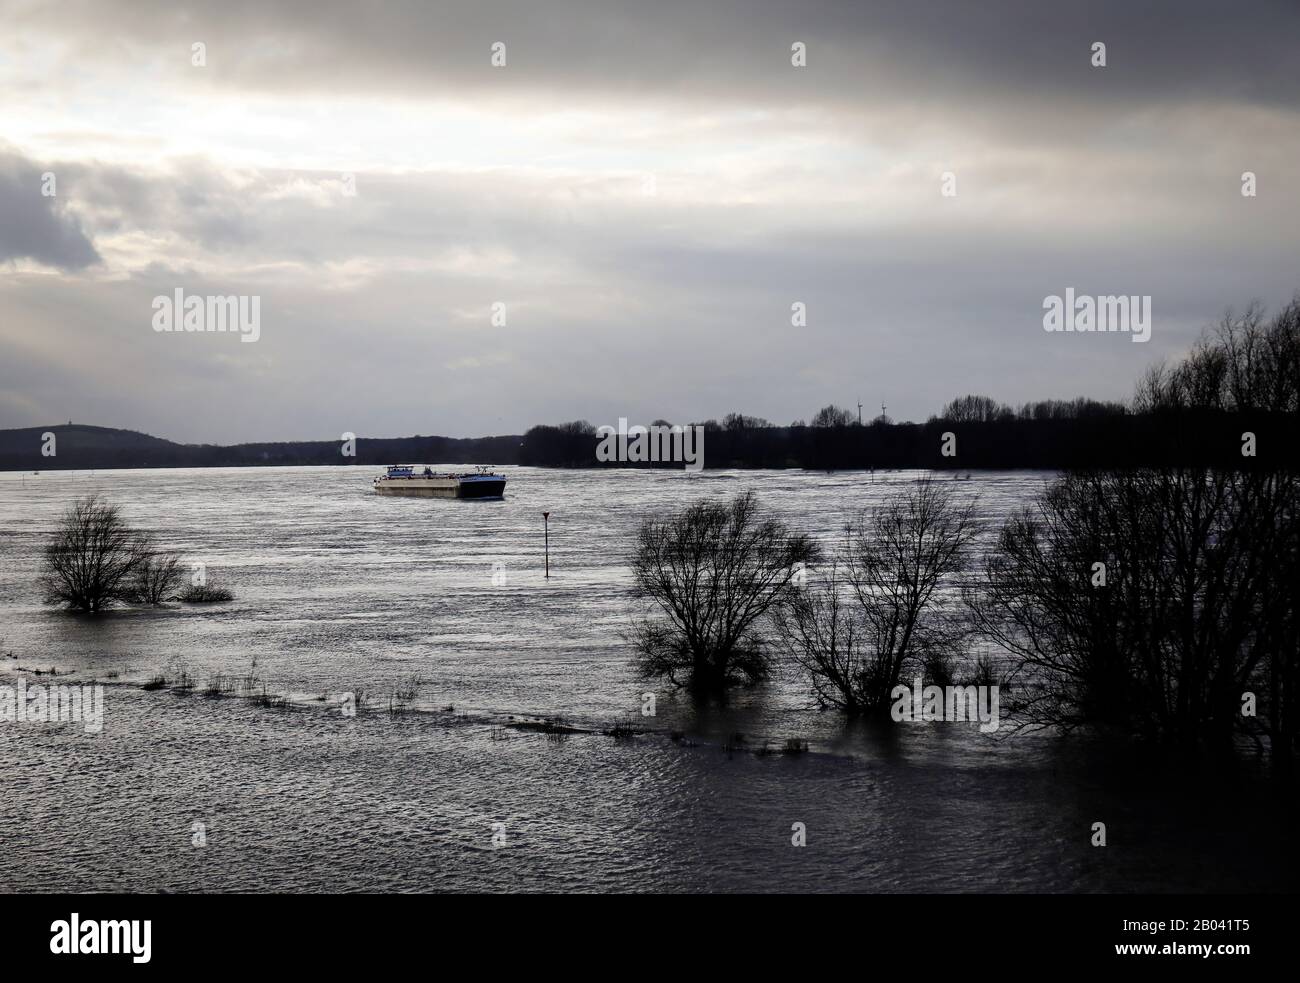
339 591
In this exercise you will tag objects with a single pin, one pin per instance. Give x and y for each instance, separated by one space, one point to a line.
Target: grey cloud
33 226
1018 51
655 328
591 290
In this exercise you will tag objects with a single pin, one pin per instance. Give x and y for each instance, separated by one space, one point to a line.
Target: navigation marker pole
546 525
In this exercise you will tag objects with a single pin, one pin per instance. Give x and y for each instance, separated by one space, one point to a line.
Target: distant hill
74 438
79 447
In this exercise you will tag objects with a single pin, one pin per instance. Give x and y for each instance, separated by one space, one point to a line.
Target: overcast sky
647 188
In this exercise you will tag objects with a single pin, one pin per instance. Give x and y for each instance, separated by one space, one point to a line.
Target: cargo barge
403 480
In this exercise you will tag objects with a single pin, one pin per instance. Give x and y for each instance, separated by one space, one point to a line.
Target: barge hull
441 488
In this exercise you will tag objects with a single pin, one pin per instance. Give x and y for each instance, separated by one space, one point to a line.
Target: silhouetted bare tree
833 416
1244 364
899 558
976 409
739 421
1150 600
1156 599
1079 408
822 631
156 578
93 558
875 618
713 569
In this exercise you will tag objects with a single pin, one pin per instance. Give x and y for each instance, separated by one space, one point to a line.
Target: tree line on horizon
1235 379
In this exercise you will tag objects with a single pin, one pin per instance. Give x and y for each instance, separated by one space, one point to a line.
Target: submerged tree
713 569
822 632
1164 600
93 558
875 617
156 578
1150 600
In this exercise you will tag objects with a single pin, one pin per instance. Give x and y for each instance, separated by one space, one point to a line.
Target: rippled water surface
341 591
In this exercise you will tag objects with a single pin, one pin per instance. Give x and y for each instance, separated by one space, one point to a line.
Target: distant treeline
1232 402
1190 436
1187 437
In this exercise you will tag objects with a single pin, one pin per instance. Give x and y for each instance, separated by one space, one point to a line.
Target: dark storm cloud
32 225
859 53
